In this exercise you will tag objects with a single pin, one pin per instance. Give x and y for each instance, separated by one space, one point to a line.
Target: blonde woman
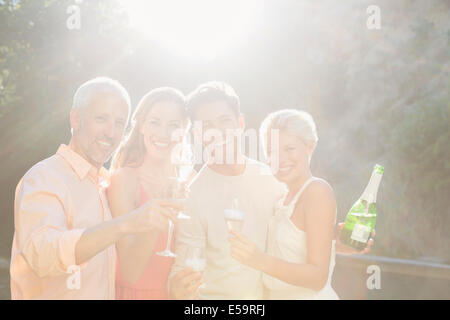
140 171
300 250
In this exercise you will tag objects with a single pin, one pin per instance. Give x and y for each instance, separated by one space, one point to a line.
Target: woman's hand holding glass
173 193
245 251
196 259
185 284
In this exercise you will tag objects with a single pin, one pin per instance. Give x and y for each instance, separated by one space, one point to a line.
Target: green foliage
41 62
400 118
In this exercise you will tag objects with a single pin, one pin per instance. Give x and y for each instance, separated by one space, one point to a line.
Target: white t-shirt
210 193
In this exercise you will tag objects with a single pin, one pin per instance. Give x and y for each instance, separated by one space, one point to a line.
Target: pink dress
152 284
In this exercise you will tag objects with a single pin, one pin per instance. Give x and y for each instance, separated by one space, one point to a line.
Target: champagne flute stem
169 238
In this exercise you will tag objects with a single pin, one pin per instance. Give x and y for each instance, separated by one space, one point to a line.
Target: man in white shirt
216 106
216 186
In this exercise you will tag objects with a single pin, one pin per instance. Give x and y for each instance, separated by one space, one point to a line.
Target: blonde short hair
296 122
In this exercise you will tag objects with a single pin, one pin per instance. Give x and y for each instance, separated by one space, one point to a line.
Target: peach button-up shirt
55 202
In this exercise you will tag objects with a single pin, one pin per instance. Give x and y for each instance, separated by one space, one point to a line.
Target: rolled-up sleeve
45 241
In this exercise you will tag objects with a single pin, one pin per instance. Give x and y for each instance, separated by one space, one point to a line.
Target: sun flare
195 28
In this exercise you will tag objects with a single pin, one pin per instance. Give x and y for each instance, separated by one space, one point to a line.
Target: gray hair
296 122
89 89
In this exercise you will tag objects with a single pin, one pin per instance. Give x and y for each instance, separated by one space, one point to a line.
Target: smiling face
216 117
162 121
99 127
293 156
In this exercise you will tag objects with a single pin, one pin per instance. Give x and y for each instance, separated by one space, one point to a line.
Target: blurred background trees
378 96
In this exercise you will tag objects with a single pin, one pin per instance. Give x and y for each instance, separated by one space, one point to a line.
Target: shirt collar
82 167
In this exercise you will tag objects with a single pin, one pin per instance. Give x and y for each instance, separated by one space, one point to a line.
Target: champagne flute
167 252
234 217
177 197
168 194
184 166
196 259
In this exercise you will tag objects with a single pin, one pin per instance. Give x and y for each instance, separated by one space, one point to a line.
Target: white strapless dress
287 242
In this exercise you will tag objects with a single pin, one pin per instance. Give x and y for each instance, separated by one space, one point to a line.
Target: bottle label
360 233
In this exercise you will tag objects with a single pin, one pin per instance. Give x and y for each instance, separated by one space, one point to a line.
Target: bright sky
196 27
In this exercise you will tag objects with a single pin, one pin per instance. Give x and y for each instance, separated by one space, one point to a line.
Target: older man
63 226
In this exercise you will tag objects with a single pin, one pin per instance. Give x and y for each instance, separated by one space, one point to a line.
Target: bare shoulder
320 188
320 198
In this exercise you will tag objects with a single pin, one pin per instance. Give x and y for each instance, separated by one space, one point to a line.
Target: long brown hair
132 150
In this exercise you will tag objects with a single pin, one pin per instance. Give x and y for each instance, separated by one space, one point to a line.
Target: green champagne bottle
362 217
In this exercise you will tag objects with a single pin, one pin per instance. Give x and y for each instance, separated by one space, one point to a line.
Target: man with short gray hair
64 237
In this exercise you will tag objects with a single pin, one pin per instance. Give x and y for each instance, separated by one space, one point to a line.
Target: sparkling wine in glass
169 193
184 171
234 217
176 195
196 259
184 163
184 166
